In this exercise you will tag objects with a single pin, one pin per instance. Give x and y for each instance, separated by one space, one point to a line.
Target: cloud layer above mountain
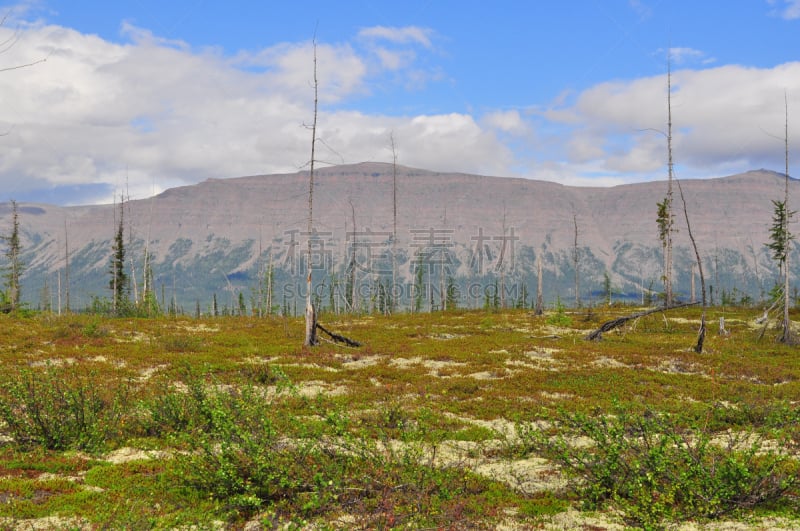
91 116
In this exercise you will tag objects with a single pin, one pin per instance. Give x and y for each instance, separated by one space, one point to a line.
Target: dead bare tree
66 270
620 321
353 265
501 266
270 280
755 270
668 200
393 290
148 293
575 257
701 334
665 222
539 297
311 314
786 337
442 294
665 218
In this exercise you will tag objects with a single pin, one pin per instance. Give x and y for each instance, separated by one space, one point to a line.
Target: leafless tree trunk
442 294
786 337
755 270
701 334
393 289
127 202
353 277
641 283
66 268
670 167
429 292
133 276
311 314
501 264
114 276
539 296
260 276
413 286
270 274
575 262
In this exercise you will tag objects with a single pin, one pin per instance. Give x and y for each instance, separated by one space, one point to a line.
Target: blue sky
149 95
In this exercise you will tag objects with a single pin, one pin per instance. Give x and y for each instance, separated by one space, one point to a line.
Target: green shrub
59 409
652 469
560 317
189 406
94 329
321 466
238 456
262 373
168 412
181 343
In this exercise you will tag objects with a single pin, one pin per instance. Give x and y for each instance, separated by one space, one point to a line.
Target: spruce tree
12 292
119 280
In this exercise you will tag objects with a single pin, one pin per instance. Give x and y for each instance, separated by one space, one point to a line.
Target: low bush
243 461
653 469
559 317
59 408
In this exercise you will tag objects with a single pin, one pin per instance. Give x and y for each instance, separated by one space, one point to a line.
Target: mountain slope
215 237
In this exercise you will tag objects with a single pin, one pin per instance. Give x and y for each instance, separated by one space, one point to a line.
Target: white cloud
786 9
154 114
642 10
508 121
400 50
680 56
720 115
394 60
144 36
287 68
404 35
151 114
585 146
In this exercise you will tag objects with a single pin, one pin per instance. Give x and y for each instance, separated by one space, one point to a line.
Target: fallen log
597 335
339 338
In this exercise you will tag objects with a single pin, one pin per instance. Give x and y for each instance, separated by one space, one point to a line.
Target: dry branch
339 338
616 323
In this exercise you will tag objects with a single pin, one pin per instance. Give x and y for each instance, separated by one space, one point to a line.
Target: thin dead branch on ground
597 334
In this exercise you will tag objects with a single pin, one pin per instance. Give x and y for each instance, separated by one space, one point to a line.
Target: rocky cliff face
220 236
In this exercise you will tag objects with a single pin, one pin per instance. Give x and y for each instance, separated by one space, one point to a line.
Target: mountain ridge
215 236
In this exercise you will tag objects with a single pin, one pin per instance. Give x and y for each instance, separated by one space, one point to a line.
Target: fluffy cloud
682 55
787 9
408 34
287 70
722 117
509 121
149 114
